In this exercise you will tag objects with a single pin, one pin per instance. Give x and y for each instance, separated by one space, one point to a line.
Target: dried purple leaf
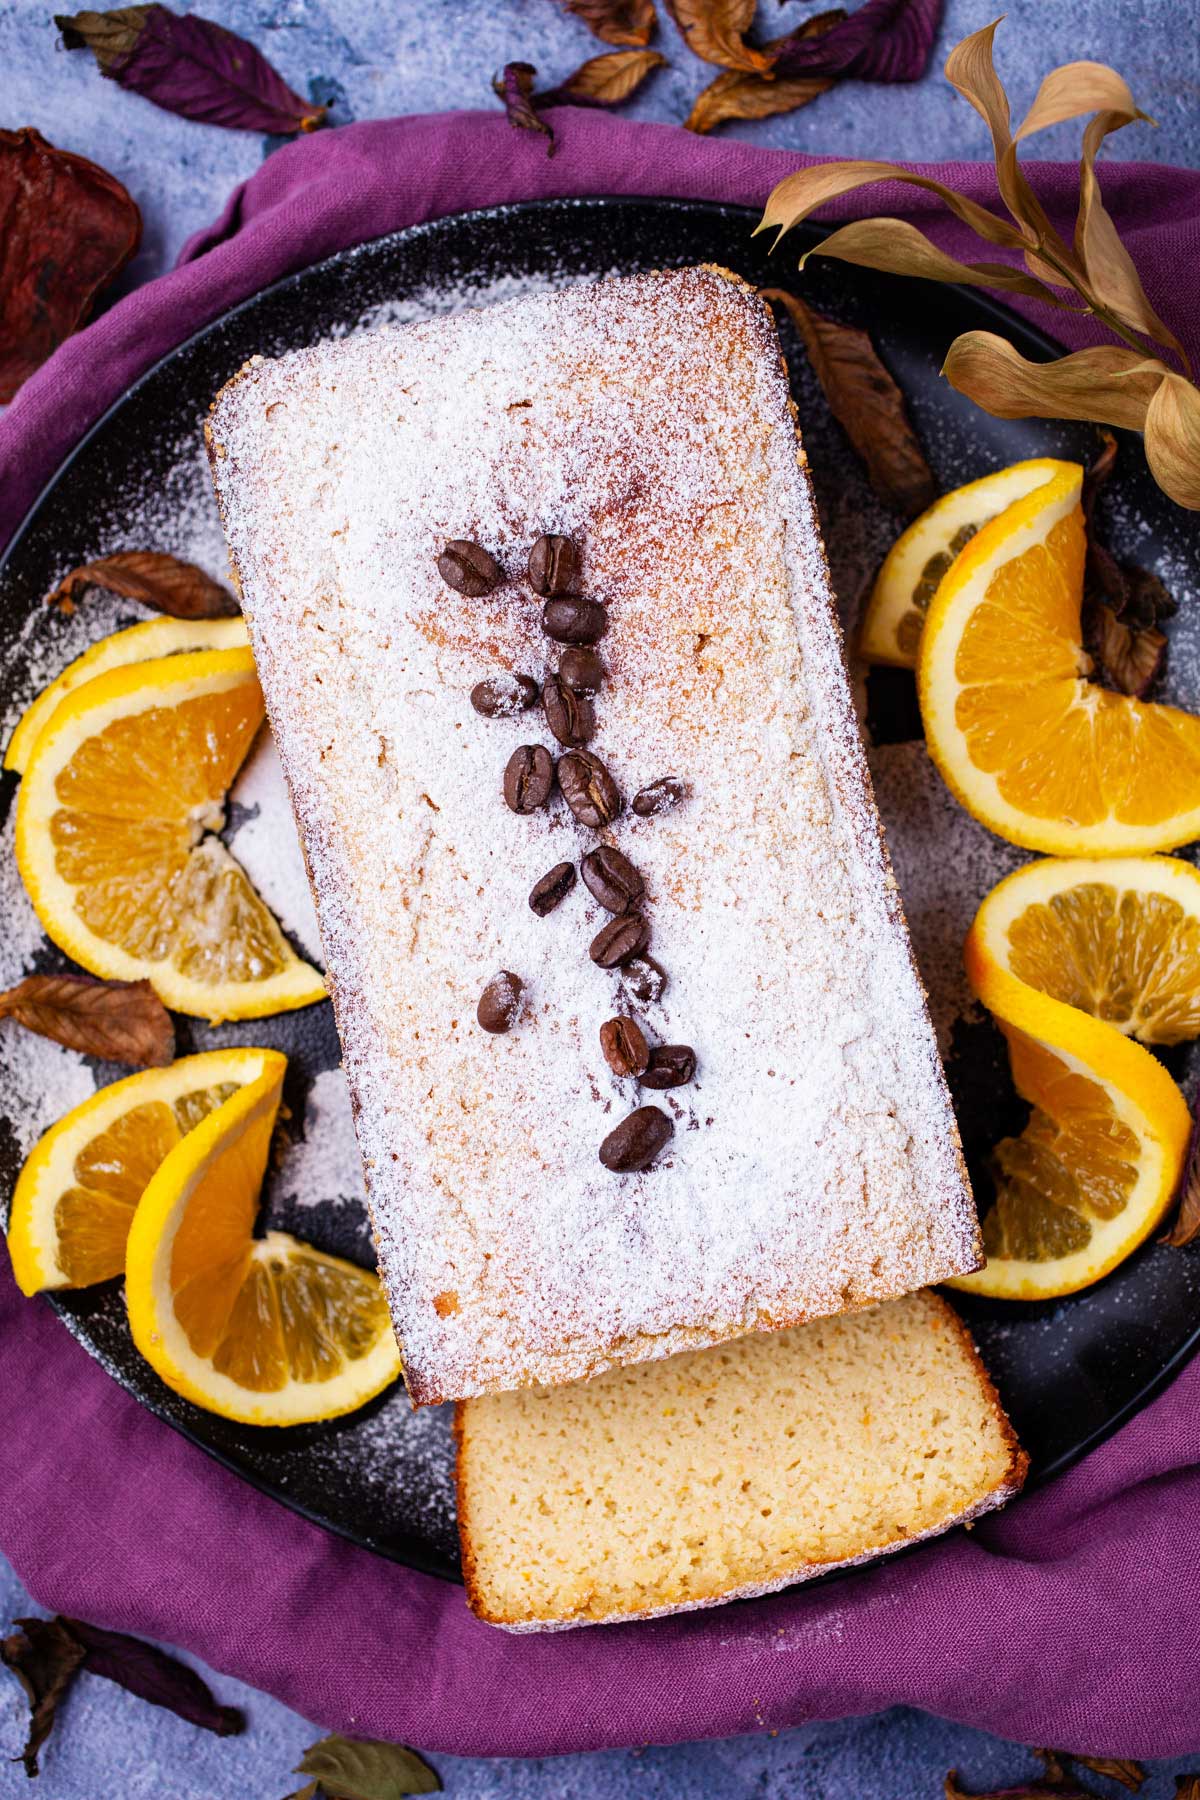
152 1675
69 227
885 40
189 65
514 86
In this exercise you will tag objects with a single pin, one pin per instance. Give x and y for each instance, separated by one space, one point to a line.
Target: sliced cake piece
728 1472
813 1163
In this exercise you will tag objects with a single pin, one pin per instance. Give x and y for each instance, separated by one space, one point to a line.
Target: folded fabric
1068 1620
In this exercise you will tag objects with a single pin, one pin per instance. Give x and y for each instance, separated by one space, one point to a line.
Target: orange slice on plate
138 643
918 561
268 1331
1032 748
1073 958
122 796
75 1196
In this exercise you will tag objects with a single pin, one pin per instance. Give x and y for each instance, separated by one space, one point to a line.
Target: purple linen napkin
1068 1620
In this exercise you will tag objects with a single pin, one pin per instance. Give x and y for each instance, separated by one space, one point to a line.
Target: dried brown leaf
714 30
1075 89
799 194
739 94
899 248
604 80
970 69
45 1658
866 403
1115 1768
1172 429
1098 473
1106 383
163 582
1110 269
628 22
743 94
121 1021
1132 657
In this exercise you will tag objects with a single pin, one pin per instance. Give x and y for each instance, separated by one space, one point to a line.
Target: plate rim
414 1555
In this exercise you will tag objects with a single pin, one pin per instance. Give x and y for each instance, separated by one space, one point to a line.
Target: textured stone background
371 59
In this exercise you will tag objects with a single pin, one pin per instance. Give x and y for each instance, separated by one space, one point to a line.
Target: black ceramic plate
1068 1372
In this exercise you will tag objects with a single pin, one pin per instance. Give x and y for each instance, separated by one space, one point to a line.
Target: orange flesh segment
1131 958
92 1217
261 1319
1075 1159
1062 748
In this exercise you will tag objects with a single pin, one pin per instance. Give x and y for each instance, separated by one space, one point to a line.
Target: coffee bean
636 1141
468 569
644 980
588 789
624 1045
553 566
620 939
660 797
611 878
529 778
581 669
504 696
500 1002
574 621
570 716
553 888
670 1066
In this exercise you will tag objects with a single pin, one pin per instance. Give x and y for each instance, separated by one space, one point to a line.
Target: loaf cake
722 1473
808 1160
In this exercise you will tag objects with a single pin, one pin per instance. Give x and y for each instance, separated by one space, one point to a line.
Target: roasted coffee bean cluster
569 618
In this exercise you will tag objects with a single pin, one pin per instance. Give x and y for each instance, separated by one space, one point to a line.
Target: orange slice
1033 748
268 1331
123 793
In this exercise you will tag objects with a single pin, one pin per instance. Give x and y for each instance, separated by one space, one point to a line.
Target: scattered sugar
945 863
262 836
814 1162
39 1080
323 1163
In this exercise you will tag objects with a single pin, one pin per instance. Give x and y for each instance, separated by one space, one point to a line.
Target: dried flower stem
1132 385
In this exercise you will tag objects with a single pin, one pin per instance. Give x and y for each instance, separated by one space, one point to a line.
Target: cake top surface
814 1163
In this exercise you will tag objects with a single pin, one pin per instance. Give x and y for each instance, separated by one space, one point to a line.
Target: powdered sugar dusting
815 1162
946 863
